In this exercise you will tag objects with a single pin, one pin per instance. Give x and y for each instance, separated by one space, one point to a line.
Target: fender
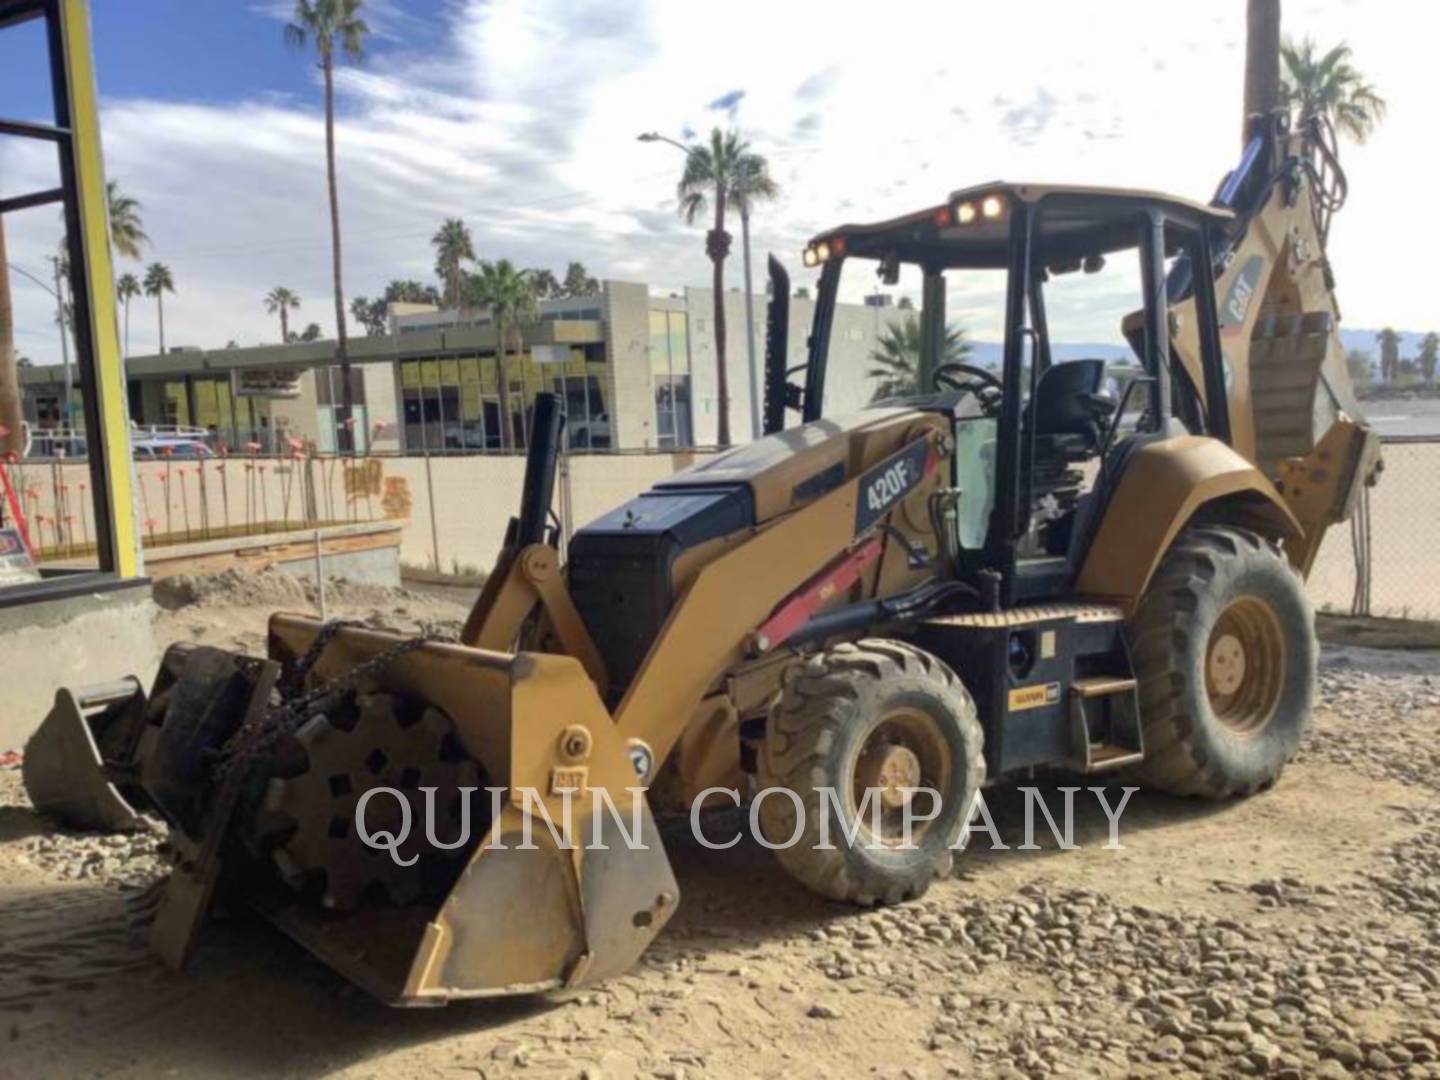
1163 486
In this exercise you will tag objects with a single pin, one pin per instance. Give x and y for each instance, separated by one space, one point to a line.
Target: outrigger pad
64 771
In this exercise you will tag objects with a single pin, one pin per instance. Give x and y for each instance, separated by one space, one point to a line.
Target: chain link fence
1386 561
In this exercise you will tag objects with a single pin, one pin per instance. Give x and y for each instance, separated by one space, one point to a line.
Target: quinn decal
1034 697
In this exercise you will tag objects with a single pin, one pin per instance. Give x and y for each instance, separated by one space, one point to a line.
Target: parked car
185 449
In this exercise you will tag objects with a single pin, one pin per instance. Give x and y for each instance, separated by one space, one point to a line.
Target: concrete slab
70 641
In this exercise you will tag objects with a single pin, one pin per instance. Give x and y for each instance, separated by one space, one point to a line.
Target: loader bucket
534 906
64 770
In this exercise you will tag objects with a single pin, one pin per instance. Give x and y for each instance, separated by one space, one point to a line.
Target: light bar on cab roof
987 208
822 250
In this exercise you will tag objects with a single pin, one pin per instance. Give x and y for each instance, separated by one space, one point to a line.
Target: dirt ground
1295 934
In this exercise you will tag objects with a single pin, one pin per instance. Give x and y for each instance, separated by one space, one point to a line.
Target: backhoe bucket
535 905
64 768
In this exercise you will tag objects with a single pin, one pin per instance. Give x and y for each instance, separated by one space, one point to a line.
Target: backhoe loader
1010 570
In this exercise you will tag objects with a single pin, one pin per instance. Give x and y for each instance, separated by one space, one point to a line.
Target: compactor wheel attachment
308 816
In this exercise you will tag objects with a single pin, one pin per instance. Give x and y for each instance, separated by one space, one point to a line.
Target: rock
1346 1053
820 1011
1167 1048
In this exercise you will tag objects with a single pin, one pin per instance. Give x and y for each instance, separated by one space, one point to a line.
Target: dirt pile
269 588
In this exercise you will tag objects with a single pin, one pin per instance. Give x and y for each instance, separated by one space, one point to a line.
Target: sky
521 116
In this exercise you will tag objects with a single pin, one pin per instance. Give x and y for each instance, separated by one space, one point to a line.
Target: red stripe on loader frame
836 578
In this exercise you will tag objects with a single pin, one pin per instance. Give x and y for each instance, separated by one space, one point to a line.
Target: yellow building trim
94 213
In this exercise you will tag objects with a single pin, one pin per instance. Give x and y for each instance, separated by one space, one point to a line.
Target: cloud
728 102
1027 121
818 85
520 116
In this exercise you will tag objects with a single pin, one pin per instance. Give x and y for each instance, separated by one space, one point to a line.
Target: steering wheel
945 377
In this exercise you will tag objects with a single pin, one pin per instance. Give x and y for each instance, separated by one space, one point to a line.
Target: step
1104 757
1101 686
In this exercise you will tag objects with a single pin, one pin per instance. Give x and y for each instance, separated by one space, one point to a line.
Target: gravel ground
1296 934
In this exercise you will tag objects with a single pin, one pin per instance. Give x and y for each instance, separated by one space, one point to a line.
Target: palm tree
897 358
11 414
753 184
411 292
282 301
127 288
1328 86
1389 342
711 175
159 281
127 231
328 23
510 296
547 287
453 246
1429 354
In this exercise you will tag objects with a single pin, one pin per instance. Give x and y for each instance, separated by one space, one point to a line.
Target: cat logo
1034 697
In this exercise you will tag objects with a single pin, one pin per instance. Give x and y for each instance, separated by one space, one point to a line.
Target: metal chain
268 726
296 707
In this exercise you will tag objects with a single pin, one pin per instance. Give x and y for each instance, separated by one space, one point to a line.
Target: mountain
990 353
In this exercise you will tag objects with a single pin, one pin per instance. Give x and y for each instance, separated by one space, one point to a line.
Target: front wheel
1225 652
860 733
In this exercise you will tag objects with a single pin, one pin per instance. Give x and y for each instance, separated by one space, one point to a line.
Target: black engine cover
621 566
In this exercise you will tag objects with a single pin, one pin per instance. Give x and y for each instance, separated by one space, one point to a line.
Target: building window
670 372
454 404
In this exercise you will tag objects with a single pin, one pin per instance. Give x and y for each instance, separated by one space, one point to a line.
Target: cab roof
1073 221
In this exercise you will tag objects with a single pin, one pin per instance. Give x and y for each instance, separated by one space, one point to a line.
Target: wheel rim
906 749
1245 665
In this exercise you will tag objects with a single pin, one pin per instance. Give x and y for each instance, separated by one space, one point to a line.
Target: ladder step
1113 757
1101 686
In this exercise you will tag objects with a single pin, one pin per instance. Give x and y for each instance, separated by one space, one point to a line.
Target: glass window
670 367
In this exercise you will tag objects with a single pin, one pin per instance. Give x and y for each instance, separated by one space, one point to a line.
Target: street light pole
655 136
64 337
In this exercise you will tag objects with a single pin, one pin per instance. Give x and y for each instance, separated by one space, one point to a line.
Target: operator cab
1045 422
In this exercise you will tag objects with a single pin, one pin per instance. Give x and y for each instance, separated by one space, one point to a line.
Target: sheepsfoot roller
859 620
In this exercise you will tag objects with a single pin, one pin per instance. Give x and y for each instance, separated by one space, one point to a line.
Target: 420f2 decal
889 482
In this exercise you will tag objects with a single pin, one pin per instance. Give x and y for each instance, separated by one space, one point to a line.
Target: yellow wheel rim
905 750
1245 665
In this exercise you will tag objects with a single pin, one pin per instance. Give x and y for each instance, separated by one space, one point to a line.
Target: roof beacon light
992 207
965 213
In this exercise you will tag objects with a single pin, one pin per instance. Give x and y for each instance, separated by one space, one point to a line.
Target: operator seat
1065 419
1068 409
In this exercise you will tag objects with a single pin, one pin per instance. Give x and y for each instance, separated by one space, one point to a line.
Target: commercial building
636 366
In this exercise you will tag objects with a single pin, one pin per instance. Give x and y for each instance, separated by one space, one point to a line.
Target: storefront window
670 367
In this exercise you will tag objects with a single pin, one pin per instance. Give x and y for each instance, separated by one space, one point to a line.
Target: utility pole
64 335
12 438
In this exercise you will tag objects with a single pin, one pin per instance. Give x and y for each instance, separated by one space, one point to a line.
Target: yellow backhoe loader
1011 569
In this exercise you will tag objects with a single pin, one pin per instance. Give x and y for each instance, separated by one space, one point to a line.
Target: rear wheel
856 731
1224 648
